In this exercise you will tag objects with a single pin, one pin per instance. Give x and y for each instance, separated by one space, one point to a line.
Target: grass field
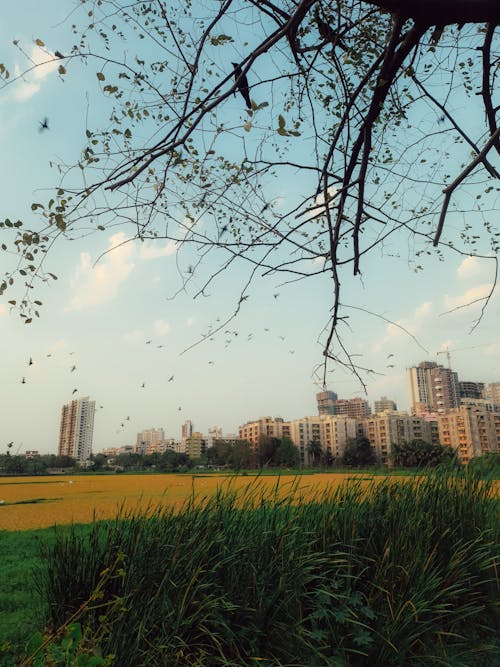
291 572
28 503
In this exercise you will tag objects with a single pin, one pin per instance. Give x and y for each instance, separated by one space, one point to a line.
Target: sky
111 330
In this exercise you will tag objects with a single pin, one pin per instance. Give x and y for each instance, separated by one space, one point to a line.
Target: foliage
358 453
393 573
419 454
19 465
487 465
287 455
364 106
314 451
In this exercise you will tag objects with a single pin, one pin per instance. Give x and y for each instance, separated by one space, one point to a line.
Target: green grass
402 575
19 616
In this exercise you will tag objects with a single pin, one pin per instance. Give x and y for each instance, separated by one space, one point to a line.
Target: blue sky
100 317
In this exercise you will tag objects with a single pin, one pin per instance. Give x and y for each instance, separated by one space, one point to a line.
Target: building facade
432 388
469 389
149 440
389 428
383 404
326 402
492 392
76 430
471 430
274 427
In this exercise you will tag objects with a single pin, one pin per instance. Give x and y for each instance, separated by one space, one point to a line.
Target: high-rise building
274 427
383 404
326 402
77 429
214 433
330 404
390 428
432 388
352 407
492 392
149 440
468 389
196 445
470 430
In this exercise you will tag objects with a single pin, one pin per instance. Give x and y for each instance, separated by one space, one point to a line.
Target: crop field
28 503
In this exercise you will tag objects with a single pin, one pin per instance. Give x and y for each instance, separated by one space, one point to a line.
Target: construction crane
448 355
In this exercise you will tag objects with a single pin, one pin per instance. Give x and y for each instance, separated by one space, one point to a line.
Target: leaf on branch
39 42
100 76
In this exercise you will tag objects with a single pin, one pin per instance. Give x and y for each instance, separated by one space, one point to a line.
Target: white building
76 429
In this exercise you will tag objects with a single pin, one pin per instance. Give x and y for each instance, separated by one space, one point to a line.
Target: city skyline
110 329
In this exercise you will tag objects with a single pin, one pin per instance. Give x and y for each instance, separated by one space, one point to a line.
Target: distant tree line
270 452
37 465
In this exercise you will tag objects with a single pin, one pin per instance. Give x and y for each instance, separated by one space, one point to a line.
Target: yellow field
74 499
40 502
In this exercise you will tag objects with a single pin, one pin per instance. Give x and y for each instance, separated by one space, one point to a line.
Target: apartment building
432 388
492 392
76 429
149 440
471 430
274 427
391 427
383 404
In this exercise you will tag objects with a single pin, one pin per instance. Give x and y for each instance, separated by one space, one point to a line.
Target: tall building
352 407
330 404
274 427
492 392
471 430
214 433
149 440
196 445
77 429
468 389
326 402
432 388
384 404
389 428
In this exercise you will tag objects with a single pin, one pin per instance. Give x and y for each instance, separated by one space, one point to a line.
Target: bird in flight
44 124
23 381
171 378
389 356
148 342
30 362
143 385
74 391
242 84
73 368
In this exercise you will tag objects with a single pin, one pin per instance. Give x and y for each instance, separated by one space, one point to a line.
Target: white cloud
96 284
43 63
475 268
3 309
152 250
135 336
468 297
493 349
161 327
413 325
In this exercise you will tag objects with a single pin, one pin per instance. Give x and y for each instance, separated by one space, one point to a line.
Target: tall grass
399 573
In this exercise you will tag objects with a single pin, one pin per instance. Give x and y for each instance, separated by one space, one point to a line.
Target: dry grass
76 499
